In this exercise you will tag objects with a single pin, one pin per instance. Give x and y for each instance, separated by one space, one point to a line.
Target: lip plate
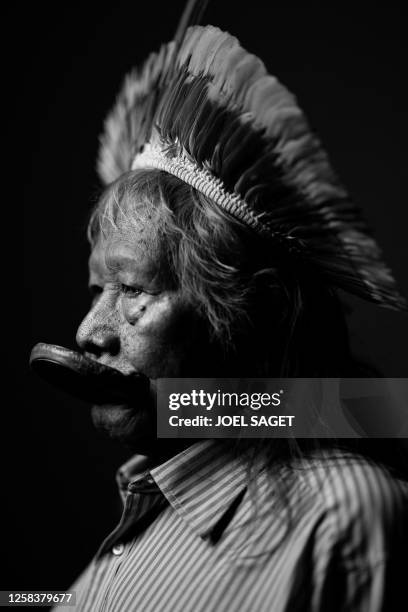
85 378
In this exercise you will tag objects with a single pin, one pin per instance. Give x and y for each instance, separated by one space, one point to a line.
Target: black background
347 65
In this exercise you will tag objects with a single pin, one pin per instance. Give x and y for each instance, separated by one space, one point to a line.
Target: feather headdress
206 111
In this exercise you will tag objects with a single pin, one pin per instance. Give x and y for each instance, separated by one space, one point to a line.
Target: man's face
138 323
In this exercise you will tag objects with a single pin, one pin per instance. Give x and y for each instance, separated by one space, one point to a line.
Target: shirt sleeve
363 568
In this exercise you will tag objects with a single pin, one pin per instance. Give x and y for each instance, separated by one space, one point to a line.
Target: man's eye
130 291
95 291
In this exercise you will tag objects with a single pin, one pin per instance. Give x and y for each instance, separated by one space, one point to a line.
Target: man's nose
97 333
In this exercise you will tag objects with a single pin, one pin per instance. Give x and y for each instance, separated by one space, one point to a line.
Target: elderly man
217 245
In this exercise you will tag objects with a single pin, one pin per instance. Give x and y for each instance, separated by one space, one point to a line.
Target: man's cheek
156 317
153 357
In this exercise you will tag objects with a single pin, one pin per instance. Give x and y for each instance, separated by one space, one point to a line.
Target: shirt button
118 549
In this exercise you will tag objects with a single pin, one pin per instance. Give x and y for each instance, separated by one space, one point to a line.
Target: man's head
181 289
224 230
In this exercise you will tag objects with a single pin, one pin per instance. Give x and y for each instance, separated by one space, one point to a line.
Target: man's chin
124 423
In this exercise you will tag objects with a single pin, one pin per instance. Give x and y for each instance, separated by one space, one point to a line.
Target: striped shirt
324 534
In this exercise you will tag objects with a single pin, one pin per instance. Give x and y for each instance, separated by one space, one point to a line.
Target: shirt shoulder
362 507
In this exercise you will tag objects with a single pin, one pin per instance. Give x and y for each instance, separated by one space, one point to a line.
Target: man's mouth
87 378
114 365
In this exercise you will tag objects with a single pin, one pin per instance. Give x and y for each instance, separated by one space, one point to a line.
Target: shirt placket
143 501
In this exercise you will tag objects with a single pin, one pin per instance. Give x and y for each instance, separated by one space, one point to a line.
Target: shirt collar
200 483
136 469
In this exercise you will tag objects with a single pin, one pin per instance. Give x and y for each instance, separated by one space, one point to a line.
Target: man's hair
262 307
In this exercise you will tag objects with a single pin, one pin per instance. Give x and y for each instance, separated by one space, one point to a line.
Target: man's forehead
132 251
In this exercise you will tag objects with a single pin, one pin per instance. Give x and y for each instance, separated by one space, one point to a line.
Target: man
216 248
